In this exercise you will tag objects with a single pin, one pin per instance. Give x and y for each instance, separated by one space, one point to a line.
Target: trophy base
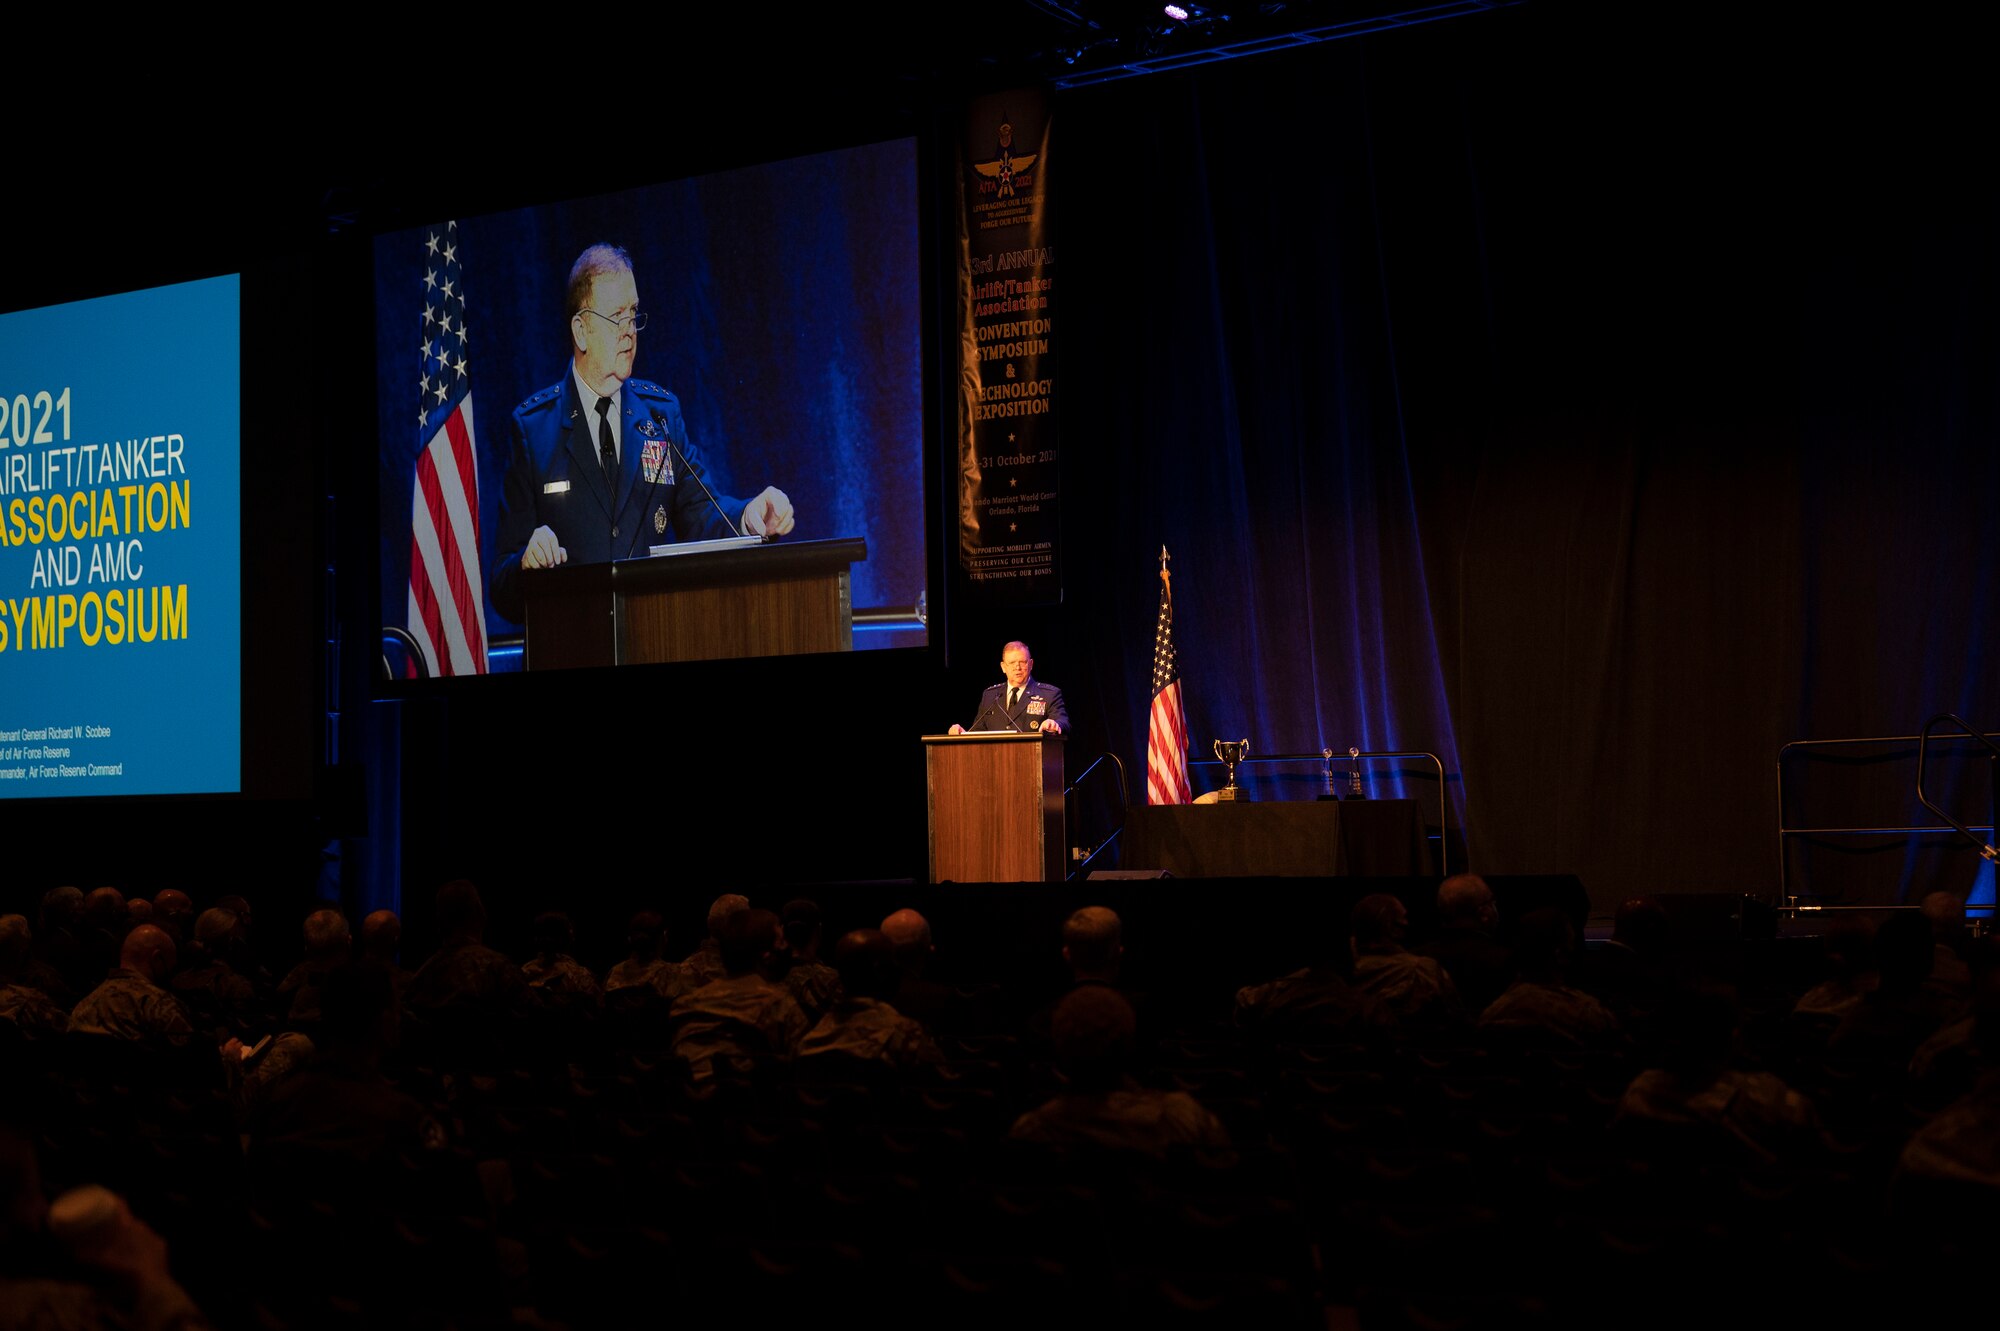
1229 794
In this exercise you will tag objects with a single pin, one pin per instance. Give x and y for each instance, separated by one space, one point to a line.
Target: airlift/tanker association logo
1005 173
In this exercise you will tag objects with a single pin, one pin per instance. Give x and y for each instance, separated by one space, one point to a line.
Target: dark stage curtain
1596 403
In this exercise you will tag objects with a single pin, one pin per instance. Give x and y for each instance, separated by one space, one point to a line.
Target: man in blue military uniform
1023 702
601 466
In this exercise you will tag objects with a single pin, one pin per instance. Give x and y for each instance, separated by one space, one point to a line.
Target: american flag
1166 732
447 598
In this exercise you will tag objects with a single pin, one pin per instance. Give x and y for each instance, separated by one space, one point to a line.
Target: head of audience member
1093 944
104 911
461 914
240 907
1544 941
1904 953
327 937
910 934
138 911
750 938
1641 924
1464 901
358 1012
1093 1032
554 934
173 910
866 960
381 935
645 936
148 951
1379 924
802 929
213 930
1848 945
1946 912
62 910
721 910
16 942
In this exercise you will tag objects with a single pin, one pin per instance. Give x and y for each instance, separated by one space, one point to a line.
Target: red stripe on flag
471 616
461 451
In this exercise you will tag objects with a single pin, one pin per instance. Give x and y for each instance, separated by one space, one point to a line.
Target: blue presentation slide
120 545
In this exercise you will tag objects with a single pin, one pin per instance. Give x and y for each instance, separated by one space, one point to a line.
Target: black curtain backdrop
1601 407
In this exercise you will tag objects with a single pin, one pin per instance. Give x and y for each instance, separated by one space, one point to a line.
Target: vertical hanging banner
1007 415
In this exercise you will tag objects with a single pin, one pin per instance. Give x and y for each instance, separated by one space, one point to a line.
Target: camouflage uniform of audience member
31 1012
1133 1119
1961 1143
563 975
1316 1001
742 1015
705 962
1094 1031
27 1009
1413 990
1831 1000
210 986
873 1032
468 973
668 979
1409 988
128 1006
706 1021
814 986
1557 1008
1756 1108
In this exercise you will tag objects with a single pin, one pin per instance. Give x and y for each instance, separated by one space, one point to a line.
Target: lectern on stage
696 605
996 807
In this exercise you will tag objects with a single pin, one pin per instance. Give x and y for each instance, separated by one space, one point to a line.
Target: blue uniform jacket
1039 702
554 480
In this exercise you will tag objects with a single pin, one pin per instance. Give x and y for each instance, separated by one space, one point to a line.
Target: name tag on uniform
556 488
1036 706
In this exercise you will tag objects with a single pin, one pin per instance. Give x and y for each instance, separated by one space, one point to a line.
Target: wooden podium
765 600
996 807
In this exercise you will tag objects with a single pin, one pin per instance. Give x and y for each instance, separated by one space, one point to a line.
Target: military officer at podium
1023 702
601 466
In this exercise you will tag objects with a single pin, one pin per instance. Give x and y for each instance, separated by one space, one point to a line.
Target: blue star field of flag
444 379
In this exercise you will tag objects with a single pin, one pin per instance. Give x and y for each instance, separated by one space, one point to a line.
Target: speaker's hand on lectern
769 514
1049 727
543 550
956 729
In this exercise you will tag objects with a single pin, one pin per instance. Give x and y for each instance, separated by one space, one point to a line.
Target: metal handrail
1986 849
1326 757
1785 832
1124 798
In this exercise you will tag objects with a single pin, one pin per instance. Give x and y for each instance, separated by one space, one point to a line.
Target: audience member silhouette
705 962
732 1022
644 967
25 1010
1101 1107
130 1004
1415 991
464 973
1696 1091
560 977
1467 941
862 1024
1539 1003
814 985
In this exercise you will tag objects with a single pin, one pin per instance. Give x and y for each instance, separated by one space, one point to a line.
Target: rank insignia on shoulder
660 519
